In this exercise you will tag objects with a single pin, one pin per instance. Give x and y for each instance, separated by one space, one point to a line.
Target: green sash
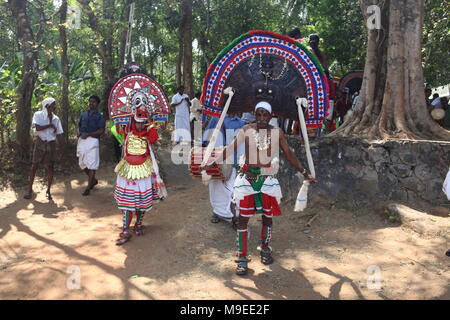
257 185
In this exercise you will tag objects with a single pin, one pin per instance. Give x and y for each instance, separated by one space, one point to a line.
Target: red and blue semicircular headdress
137 87
244 65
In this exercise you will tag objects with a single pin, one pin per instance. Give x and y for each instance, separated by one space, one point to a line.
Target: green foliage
392 217
340 24
155 41
9 81
436 43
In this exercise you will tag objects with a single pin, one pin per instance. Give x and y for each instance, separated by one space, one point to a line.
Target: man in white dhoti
91 127
181 102
221 192
196 112
48 130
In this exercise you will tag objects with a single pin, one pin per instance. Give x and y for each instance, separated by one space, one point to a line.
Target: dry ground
183 256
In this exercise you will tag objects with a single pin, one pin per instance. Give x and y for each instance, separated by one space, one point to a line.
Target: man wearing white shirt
196 108
181 102
221 192
47 128
196 112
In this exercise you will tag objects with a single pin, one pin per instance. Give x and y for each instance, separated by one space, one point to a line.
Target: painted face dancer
256 190
138 184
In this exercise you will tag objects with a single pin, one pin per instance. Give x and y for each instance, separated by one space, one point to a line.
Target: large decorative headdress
136 96
267 66
351 80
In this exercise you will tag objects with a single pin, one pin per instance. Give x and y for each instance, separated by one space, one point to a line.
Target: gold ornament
134 172
136 146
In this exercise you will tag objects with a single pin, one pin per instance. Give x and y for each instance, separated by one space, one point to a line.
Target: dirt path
183 256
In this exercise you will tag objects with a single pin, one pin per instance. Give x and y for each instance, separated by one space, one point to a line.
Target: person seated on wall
296 34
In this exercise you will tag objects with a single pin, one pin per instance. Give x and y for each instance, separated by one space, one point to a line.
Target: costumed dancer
134 100
139 185
256 190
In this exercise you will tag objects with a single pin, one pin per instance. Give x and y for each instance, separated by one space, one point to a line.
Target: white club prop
212 142
302 197
446 185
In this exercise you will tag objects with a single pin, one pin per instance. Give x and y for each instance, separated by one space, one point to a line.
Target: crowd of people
251 188
245 140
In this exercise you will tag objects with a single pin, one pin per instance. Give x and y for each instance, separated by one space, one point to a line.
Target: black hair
314 43
314 38
131 68
295 33
435 95
97 98
198 94
180 87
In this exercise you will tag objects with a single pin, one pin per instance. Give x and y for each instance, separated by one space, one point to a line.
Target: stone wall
358 173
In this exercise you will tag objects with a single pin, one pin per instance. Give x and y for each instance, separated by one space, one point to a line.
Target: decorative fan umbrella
134 90
349 84
266 66
351 80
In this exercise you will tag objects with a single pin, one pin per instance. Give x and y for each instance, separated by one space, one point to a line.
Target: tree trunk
108 70
2 137
123 36
392 98
105 46
203 37
206 59
30 69
161 72
179 58
186 27
65 73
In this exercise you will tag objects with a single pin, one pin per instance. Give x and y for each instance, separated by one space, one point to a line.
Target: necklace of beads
262 143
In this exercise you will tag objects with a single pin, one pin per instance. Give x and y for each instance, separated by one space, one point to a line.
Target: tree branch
42 23
93 23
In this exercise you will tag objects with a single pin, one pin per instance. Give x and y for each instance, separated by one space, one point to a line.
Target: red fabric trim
151 134
244 244
136 159
270 206
273 34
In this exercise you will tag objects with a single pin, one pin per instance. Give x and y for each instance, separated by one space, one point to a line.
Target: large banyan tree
392 100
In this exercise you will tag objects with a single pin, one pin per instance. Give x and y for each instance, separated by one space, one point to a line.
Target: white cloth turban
46 102
265 105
